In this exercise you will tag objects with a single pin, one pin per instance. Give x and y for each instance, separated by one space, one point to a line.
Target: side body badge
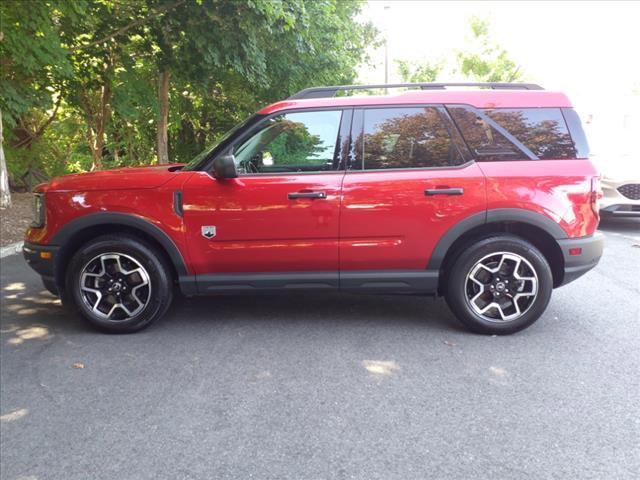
208 231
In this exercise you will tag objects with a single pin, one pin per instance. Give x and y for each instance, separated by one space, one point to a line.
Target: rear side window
577 133
485 142
541 130
407 138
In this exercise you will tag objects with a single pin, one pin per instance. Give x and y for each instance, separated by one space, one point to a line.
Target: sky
588 50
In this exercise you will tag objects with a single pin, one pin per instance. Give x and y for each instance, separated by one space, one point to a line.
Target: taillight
596 195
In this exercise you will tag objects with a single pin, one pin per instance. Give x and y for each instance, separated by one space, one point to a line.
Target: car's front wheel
499 285
119 283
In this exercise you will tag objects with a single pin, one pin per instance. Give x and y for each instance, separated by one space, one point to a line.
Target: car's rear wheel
119 283
499 285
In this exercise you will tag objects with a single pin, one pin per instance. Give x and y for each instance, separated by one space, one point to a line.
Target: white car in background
620 186
612 129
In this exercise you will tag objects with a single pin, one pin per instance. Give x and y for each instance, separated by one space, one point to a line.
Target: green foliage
61 147
33 59
99 62
296 146
482 60
486 61
416 72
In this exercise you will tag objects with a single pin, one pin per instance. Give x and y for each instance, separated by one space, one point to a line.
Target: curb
10 249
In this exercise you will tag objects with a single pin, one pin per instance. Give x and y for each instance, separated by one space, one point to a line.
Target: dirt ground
15 219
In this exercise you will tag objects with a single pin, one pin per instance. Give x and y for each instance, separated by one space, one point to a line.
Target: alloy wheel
115 286
501 287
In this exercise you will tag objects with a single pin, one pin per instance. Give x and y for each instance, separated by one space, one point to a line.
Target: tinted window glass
541 130
577 132
485 142
199 159
407 138
294 142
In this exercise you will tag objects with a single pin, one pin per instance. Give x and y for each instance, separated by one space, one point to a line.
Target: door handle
443 191
312 195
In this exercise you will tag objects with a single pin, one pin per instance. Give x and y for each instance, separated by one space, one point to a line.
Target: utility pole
387 7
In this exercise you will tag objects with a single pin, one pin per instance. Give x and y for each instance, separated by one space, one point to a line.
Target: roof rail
323 92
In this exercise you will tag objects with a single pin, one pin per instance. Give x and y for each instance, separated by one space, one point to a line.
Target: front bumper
580 255
41 258
621 210
620 197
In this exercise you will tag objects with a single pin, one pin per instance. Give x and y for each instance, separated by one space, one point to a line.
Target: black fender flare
487 217
71 228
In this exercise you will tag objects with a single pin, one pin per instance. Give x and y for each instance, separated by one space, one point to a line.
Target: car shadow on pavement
29 312
327 309
619 224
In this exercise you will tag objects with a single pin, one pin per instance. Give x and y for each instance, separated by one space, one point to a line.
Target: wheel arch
533 227
81 230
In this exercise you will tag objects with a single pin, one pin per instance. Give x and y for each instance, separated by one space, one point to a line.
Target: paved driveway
324 387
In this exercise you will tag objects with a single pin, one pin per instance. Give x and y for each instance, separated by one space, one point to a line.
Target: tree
90 91
416 72
33 63
485 61
99 48
228 58
481 60
5 193
135 77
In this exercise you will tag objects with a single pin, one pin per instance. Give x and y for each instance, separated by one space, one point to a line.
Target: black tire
50 285
460 291
152 299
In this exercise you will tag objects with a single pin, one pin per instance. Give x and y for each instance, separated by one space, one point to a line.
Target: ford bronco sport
484 195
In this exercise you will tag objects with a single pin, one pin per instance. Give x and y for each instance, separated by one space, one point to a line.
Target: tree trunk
96 128
163 120
5 193
96 142
24 137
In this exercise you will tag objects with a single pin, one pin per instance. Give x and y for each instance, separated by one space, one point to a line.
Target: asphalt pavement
326 387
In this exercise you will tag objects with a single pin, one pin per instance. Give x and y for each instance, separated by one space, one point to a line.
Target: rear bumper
41 258
580 255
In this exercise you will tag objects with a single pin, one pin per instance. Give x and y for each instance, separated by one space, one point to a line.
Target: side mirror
225 167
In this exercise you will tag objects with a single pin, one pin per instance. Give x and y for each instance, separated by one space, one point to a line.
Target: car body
374 194
620 187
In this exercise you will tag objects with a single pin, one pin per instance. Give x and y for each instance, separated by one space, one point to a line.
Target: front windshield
195 162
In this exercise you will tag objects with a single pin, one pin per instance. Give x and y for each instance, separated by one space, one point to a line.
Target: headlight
38 210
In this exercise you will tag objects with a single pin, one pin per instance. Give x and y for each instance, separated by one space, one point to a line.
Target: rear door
281 213
410 179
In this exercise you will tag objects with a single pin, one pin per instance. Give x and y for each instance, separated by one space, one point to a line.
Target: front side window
541 130
407 138
292 142
198 160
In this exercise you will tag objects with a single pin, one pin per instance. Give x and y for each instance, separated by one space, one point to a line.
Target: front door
410 180
282 212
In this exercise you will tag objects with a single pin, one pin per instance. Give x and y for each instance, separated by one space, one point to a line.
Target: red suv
483 195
